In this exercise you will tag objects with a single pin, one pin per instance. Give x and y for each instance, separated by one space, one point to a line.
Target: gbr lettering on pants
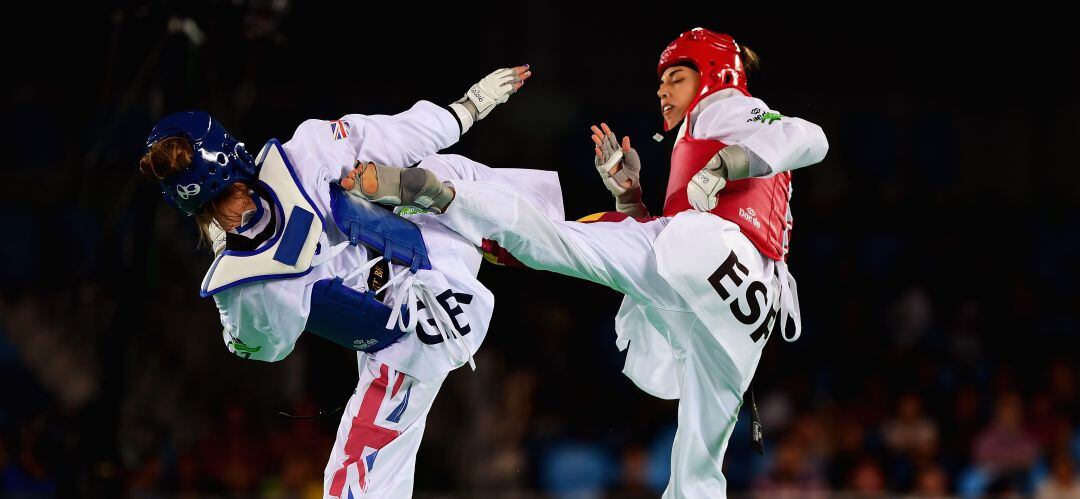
452 309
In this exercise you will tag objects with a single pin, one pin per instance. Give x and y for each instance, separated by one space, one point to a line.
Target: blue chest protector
353 319
357 319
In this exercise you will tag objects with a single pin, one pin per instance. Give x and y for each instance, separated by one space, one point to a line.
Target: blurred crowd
936 272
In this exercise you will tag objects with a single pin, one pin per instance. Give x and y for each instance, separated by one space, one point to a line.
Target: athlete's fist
703 188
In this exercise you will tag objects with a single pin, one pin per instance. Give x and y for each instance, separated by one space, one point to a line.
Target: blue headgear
218 161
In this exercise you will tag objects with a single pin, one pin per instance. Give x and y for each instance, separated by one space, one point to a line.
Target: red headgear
714 55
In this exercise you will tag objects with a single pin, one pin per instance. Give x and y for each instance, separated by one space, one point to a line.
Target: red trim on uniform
498 255
364 431
397 384
338 482
612 216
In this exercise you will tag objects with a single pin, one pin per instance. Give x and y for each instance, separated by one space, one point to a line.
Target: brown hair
165 158
750 59
171 156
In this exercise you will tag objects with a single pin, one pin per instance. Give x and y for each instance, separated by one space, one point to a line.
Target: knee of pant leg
461 168
439 166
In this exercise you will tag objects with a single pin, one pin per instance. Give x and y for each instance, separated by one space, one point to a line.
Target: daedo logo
750 215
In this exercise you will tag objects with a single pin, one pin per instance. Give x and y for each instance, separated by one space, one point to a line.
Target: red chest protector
758 205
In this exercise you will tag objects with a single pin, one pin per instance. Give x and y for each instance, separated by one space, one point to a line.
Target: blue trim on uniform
294 237
278 230
395 416
206 294
254 218
268 244
292 172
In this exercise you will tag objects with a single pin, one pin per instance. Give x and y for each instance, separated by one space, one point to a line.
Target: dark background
936 249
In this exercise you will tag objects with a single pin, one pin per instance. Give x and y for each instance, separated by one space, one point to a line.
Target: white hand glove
493 90
487 93
703 187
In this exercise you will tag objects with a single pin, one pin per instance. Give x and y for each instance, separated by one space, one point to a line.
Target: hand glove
627 198
492 90
703 187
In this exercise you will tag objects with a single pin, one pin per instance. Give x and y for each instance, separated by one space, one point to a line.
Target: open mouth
665 109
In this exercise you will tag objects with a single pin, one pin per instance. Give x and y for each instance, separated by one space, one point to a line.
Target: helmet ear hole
221 158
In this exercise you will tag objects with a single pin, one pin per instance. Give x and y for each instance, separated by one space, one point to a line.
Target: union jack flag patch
340 129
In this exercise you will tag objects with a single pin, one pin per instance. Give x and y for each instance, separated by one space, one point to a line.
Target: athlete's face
678 87
231 206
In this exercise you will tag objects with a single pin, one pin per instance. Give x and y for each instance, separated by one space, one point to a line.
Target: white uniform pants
620 255
374 454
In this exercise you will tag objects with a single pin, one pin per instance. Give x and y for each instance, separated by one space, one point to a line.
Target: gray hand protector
611 155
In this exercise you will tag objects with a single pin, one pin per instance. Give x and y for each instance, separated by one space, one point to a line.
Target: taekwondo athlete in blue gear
219 161
304 257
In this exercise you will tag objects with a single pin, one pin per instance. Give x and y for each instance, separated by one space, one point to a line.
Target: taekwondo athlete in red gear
704 292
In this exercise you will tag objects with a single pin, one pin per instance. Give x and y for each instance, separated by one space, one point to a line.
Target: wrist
635 209
735 161
631 195
465 112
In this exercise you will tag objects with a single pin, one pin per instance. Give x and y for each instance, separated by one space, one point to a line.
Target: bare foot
369 180
349 181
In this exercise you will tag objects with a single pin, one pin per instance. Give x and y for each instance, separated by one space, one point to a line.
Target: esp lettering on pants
735 271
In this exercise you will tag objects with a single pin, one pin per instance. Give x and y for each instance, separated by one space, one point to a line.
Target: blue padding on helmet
350 318
389 234
218 159
294 237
